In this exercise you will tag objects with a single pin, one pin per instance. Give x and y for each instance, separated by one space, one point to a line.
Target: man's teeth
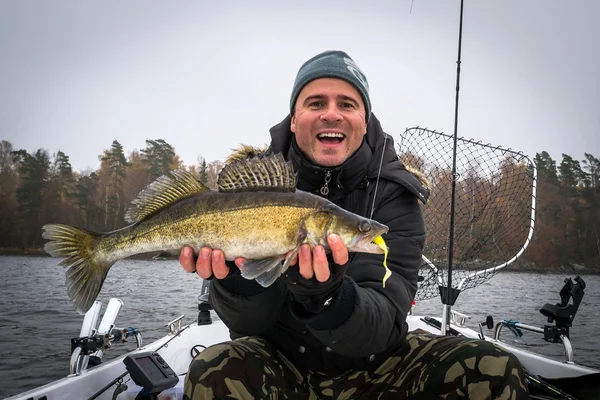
331 135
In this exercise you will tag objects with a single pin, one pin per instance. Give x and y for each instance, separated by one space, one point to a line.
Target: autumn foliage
39 188
492 207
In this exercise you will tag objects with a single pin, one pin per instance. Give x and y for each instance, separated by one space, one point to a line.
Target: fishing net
493 218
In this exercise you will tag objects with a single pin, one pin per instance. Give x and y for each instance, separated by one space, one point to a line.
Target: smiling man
328 329
329 121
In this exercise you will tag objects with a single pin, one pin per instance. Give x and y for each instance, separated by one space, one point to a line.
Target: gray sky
207 75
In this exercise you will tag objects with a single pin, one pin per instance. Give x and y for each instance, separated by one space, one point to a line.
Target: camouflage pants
428 367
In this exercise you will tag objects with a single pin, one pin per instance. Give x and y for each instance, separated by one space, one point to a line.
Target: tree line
39 188
568 211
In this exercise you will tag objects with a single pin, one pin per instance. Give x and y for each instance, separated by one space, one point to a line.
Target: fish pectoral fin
266 271
255 268
166 254
267 279
270 276
289 259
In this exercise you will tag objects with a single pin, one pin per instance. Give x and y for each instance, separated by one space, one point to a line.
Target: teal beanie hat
332 64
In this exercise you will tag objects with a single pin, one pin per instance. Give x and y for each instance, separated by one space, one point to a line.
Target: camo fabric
427 367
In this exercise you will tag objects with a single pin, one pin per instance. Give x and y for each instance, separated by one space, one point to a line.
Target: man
327 328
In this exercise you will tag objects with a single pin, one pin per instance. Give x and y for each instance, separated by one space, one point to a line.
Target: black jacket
365 322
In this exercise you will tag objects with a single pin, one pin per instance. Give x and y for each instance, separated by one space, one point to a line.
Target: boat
490 225
547 378
501 179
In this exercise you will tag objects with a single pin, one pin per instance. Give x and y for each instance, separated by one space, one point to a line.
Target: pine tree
112 175
159 157
33 172
9 180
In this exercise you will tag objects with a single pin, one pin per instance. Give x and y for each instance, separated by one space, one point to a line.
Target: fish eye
364 226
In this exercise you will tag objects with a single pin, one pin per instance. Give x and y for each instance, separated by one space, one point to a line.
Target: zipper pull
325 189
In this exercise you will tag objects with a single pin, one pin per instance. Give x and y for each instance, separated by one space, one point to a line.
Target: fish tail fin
86 268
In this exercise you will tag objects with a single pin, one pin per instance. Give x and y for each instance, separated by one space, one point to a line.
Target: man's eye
347 105
316 104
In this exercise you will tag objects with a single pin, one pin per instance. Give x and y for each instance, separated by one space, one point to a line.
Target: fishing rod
450 294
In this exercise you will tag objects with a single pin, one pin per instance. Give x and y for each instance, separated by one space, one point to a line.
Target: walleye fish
257 213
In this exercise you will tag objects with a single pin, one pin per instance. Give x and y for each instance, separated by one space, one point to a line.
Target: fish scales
255 224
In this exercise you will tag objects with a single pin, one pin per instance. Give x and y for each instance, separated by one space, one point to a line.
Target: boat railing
561 315
514 326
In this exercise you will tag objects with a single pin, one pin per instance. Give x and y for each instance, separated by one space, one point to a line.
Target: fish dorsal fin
271 173
166 190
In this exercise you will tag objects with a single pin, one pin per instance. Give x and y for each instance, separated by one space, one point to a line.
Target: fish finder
150 371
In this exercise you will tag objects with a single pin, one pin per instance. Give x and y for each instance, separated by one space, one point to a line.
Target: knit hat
332 64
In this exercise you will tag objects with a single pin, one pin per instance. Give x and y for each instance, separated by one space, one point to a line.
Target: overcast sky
208 75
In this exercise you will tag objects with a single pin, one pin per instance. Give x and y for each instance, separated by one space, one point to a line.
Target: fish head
355 231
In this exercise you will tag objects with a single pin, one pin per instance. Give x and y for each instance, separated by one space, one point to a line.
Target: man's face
329 121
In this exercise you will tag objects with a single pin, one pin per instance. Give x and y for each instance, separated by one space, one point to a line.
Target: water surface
37 320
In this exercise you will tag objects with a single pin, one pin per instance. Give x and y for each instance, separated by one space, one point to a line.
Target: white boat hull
178 354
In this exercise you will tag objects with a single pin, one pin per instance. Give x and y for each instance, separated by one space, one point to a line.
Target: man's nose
331 113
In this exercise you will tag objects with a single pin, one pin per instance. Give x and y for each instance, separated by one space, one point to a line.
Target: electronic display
150 371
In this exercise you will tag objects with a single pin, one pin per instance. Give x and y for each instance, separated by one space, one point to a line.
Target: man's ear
293 124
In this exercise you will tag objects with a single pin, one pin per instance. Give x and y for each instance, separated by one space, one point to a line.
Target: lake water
37 320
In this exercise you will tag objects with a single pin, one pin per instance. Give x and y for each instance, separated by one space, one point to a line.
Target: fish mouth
364 242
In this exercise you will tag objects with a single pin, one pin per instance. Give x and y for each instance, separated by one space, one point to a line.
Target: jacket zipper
325 189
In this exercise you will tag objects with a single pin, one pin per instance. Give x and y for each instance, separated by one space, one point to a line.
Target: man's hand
314 281
209 263
315 263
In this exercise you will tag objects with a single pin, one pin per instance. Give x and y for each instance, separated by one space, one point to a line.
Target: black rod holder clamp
88 344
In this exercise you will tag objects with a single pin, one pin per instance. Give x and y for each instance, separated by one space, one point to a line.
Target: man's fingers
239 262
203 264
186 259
210 262
320 264
339 251
305 261
219 268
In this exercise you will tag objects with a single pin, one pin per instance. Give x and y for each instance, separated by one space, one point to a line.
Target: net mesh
493 217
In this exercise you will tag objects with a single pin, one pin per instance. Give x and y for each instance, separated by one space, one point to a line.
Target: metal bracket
459 318
175 326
